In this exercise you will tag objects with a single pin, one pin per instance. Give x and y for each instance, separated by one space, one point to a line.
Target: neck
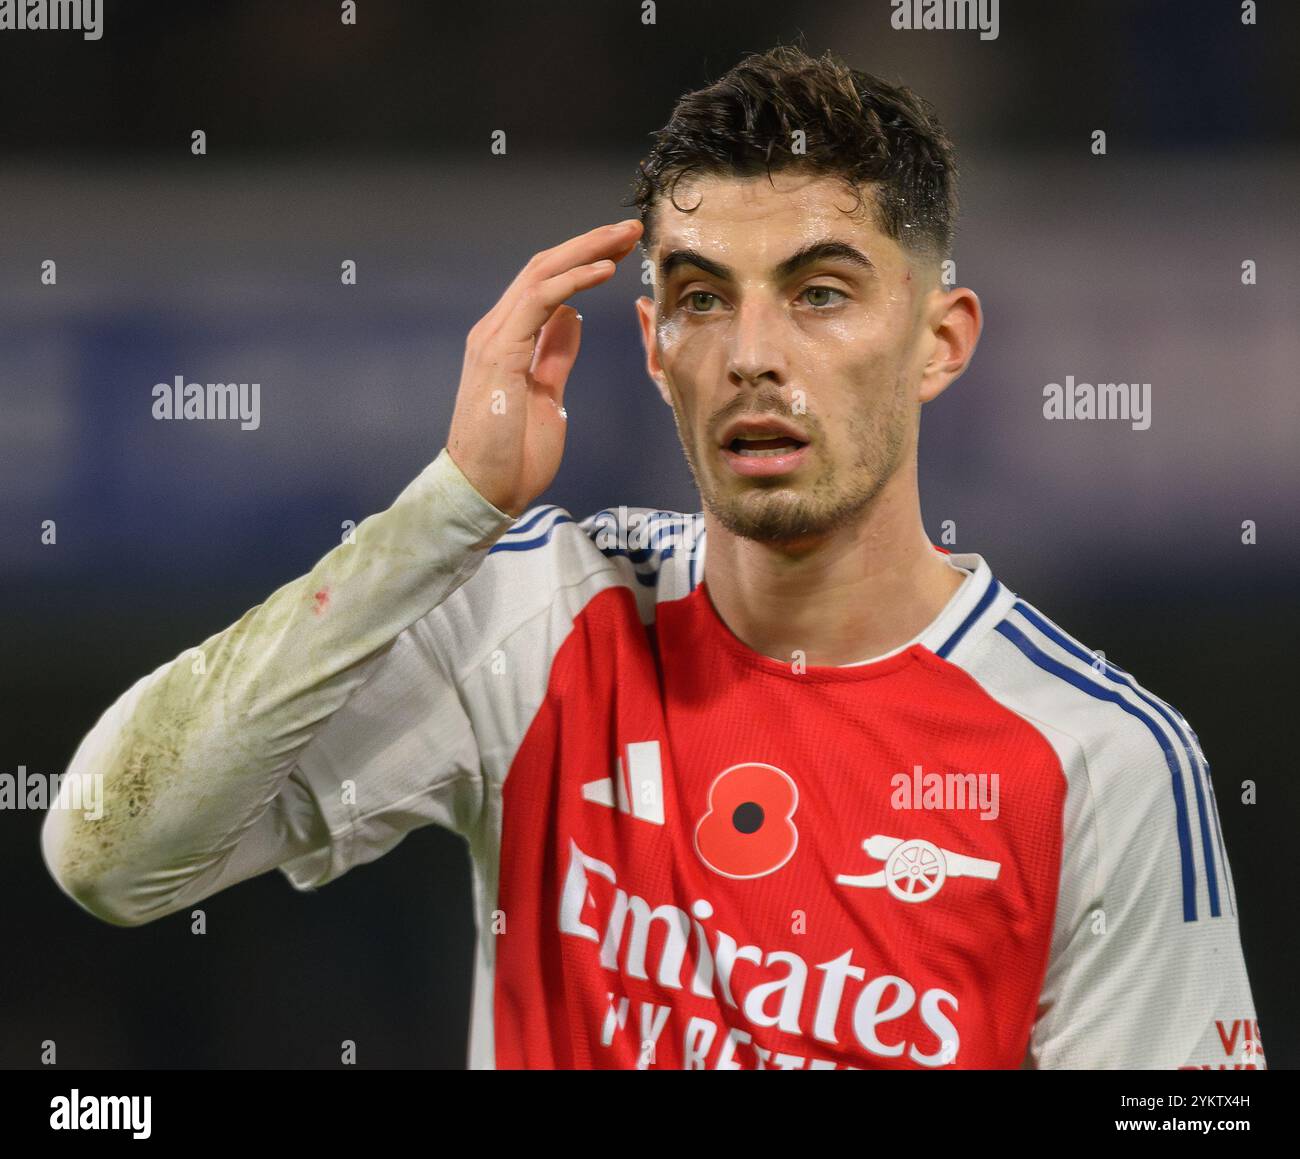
853 594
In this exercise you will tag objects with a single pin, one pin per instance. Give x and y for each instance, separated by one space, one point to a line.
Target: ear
645 309
955 320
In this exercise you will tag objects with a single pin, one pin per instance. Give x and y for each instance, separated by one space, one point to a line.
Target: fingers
606 241
538 301
553 275
557 350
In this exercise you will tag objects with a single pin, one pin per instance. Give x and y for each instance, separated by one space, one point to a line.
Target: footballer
775 785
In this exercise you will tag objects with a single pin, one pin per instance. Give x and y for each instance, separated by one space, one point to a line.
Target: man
779 785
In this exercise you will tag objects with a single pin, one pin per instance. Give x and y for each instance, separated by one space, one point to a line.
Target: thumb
557 350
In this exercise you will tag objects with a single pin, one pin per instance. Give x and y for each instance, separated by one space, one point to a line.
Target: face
839 349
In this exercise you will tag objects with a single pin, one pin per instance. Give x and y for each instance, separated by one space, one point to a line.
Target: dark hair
856 127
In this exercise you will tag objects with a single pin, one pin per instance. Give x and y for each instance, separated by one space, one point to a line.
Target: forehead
742 220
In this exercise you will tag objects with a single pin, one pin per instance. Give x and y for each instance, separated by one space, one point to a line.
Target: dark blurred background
372 143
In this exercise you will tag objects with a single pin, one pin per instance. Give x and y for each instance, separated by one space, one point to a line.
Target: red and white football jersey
987 848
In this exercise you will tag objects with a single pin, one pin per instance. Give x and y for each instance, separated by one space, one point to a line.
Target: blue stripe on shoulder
1194 763
544 537
659 527
530 521
1045 662
952 641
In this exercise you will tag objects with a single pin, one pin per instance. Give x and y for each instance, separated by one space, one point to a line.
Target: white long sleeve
198 754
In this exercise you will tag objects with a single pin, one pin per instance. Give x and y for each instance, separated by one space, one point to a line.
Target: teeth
750 452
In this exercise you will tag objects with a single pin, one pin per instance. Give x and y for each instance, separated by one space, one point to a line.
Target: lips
769 462
762 435
759 448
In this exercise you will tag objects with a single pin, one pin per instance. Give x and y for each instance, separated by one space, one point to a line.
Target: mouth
764 448
774 455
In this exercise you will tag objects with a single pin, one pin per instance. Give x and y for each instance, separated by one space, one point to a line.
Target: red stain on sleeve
322 599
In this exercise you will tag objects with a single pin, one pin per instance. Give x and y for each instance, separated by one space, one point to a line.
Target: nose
754 354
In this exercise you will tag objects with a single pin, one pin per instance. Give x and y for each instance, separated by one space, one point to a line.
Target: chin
776 516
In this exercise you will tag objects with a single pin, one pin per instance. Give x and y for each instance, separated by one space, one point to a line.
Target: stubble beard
781 511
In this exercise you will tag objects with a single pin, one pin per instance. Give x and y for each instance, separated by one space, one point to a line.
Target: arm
1133 983
195 756
207 768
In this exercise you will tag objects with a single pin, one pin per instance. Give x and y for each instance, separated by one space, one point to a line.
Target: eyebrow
819 251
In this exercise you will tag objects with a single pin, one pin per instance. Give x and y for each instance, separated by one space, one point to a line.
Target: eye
695 294
824 290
